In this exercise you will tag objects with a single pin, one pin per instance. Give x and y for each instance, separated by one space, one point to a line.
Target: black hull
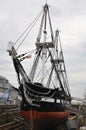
47 116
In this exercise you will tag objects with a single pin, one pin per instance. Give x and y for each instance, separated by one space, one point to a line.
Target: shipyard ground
10 119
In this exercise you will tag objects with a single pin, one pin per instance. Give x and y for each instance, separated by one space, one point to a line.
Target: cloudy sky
69 16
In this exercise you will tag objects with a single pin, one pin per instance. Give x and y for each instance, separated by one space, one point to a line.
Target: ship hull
47 116
45 120
34 115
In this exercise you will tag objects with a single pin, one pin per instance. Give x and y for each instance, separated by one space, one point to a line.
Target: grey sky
69 16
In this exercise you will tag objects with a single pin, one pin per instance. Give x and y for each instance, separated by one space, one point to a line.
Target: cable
29 52
28 28
25 36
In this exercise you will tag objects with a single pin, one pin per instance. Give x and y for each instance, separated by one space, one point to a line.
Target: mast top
43 29
46 7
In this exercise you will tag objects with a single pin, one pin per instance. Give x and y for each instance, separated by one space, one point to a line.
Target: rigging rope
45 74
28 28
22 56
29 52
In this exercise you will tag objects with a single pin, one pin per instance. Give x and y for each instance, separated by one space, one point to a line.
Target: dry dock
10 118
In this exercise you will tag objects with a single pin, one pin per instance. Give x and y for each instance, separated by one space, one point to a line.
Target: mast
44 49
43 45
44 52
60 66
56 52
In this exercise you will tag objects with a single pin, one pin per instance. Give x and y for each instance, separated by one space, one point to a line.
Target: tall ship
45 91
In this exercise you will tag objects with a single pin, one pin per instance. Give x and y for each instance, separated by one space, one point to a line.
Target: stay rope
27 31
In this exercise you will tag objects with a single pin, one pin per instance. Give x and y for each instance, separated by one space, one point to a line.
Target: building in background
7 93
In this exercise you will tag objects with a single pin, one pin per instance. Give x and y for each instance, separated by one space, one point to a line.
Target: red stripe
32 115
